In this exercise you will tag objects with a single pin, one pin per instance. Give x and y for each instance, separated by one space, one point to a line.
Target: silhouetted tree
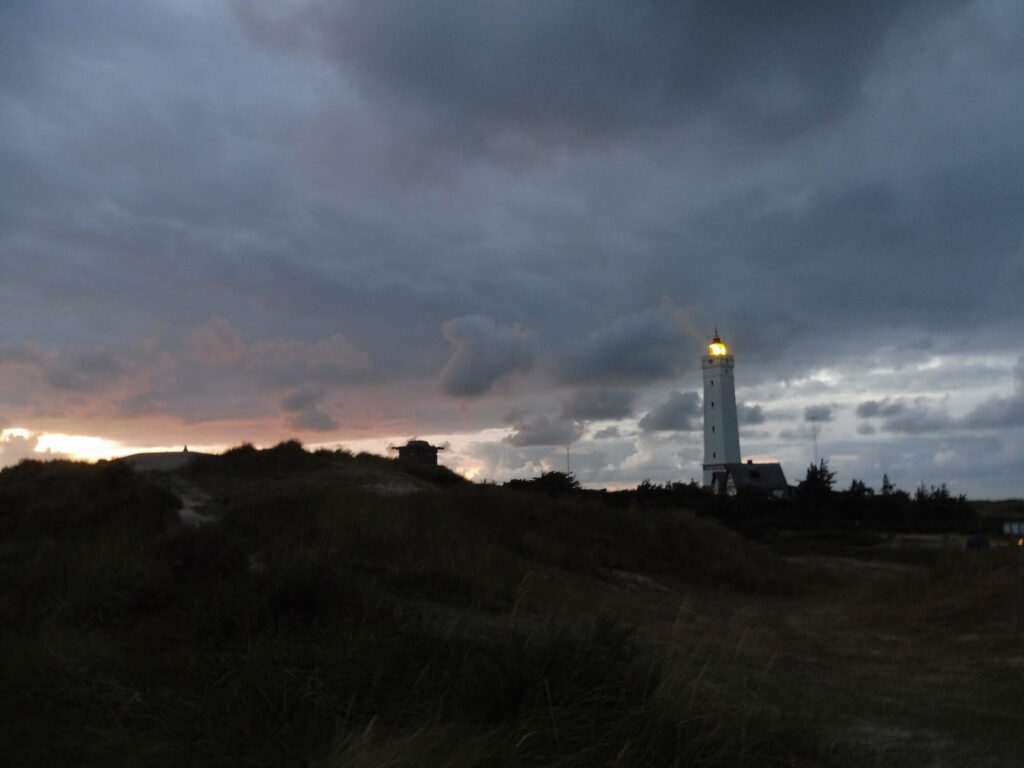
887 487
553 483
855 503
858 489
691 495
648 494
818 482
685 495
938 509
814 499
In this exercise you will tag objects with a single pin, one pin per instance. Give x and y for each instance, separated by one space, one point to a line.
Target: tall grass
318 624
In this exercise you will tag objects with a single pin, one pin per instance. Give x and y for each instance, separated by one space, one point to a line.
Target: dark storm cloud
303 398
304 407
1000 412
681 412
749 415
483 352
819 413
537 429
607 433
598 404
254 214
871 408
906 417
84 370
214 371
908 229
201 227
919 416
638 348
997 413
147 161
72 372
800 434
507 77
19 354
916 418
210 374
333 360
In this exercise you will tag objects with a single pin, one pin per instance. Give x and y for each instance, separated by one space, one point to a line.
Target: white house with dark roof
763 476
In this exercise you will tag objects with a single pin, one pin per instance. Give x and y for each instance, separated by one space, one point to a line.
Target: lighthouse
721 427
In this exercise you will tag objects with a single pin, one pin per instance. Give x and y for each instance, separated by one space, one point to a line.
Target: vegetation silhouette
323 619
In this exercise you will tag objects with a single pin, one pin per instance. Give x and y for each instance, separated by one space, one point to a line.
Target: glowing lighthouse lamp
721 427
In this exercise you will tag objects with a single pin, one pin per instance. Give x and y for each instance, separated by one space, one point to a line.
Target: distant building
724 471
418 452
767 477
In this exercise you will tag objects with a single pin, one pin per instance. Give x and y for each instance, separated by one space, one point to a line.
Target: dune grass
316 623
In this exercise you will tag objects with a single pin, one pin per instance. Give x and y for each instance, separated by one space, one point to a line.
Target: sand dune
166 461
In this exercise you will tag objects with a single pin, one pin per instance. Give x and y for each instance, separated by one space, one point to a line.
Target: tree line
814 502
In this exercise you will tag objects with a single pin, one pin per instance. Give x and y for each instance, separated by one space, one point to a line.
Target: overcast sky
508 226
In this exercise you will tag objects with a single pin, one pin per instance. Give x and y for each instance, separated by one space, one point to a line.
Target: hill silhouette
351 610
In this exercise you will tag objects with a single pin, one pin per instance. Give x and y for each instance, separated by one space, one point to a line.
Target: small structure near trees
766 477
418 452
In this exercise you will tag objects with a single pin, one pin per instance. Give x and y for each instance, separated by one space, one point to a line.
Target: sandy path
192 500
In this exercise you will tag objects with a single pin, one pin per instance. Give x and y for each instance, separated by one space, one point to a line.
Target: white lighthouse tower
721 428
